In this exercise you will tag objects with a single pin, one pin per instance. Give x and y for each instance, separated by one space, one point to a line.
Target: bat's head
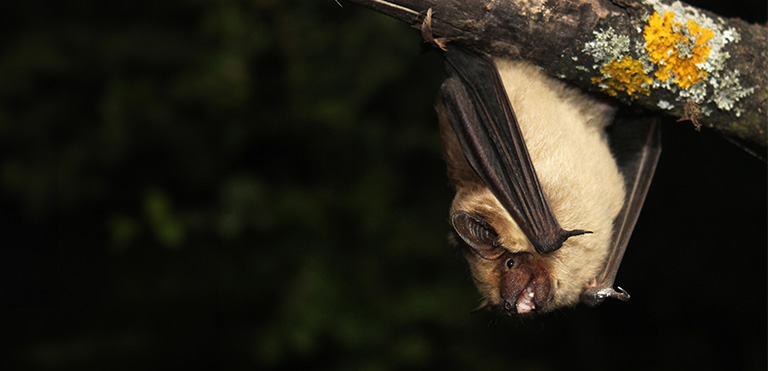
508 272
506 269
514 279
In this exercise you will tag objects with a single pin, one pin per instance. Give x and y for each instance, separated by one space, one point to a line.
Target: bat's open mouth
525 303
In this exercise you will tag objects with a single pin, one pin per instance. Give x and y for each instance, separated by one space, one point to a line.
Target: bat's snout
523 303
525 286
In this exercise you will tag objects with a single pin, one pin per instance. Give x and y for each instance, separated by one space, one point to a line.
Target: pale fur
563 130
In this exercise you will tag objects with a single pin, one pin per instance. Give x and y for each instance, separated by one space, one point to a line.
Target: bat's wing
636 146
490 137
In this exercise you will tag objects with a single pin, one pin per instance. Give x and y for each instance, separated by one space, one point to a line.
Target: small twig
395 6
692 113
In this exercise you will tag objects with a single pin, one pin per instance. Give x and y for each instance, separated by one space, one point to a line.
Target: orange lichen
676 49
625 74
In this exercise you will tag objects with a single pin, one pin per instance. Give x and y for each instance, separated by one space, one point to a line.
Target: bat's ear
475 231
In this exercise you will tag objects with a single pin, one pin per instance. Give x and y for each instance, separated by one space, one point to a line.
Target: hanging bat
543 208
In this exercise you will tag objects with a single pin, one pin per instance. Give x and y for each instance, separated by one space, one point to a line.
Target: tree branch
665 56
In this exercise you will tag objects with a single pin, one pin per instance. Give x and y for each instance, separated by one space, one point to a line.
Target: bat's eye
510 263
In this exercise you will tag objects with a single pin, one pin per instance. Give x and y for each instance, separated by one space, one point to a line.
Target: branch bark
662 55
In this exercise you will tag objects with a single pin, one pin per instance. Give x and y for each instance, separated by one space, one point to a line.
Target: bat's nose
508 306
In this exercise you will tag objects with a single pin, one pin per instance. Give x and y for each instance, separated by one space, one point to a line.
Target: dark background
240 185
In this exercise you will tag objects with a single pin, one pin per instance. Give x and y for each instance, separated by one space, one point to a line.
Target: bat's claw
622 295
594 295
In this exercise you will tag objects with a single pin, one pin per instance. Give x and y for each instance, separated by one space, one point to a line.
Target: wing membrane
482 116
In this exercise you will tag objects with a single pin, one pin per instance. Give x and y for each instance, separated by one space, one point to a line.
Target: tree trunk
664 56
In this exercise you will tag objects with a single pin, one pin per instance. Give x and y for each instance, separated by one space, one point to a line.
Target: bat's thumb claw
593 296
622 294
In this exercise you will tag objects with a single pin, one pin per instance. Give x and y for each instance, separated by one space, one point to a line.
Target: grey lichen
607 46
665 105
696 93
728 90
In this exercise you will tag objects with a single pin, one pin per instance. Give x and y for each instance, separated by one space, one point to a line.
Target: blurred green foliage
252 184
244 156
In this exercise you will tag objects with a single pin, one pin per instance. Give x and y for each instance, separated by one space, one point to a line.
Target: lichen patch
607 46
624 75
677 48
665 105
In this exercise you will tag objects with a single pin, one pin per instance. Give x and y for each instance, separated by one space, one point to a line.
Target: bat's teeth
523 308
525 302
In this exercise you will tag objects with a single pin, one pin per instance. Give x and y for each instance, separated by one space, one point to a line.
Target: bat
544 205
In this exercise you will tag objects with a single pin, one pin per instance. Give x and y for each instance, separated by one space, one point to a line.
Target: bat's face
509 273
515 279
